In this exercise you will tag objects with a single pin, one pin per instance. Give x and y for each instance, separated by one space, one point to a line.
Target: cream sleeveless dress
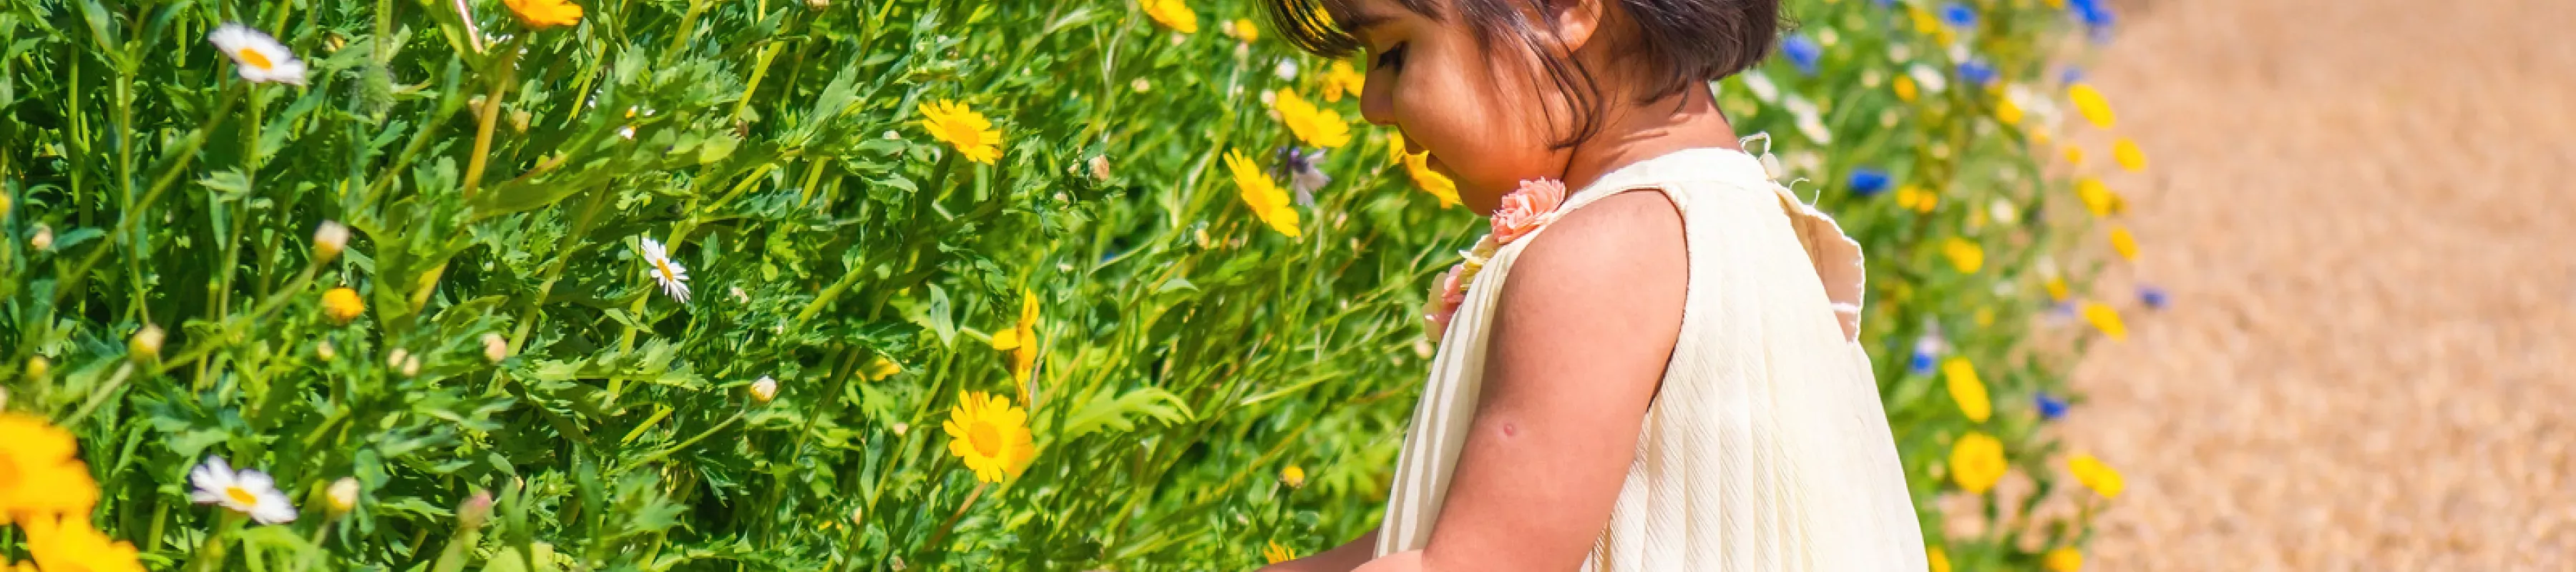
1766 448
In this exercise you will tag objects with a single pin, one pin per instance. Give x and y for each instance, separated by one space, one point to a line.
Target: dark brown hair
1681 43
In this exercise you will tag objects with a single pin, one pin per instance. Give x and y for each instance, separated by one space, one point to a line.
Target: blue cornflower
1802 52
1927 351
1976 72
2094 13
1303 168
1867 182
2071 75
2050 408
2153 297
1958 15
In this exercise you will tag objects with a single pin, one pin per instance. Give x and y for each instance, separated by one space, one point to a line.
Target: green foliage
500 182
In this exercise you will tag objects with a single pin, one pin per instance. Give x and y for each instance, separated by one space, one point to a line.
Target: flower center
664 267
252 57
986 439
961 133
241 496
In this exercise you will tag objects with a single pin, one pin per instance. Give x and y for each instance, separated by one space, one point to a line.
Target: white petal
273 508
653 249
255 481
205 496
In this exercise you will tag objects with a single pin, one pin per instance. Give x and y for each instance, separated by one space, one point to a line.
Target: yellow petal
1006 340
2106 319
2089 102
2127 154
1965 255
1966 389
2124 243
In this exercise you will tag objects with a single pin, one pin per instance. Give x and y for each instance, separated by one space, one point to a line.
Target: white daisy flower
674 278
259 57
1761 86
249 491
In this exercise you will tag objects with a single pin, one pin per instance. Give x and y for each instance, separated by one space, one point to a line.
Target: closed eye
1392 58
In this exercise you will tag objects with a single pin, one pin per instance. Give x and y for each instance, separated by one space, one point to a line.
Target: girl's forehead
1357 16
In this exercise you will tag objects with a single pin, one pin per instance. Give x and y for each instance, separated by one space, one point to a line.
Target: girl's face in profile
1482 114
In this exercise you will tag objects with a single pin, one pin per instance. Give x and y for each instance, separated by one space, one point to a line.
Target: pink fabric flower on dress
1446 295
1527 208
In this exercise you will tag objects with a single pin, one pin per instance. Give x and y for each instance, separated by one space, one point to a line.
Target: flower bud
1100 167
1294 475
764 390
343 495
324 350
901 428
341 304
476 509
817 5
328 240
411 367
495 348
37 367
146 343
395 359
44 238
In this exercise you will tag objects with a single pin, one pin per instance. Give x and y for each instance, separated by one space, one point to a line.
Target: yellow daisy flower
970 132
1244 30
542 14
2094 475
881 368
342 304
1022 340
1268 201
1431 181
2056 288
1905 90
2074 154
2106 319
68 543
1315 126
1274 553
2007 112
991 435
1173 14
1977 462
2124 243
2098 197
45 475
2125 152
1340 79
1970 392
1294 476
1916 199
1964 255
2088 101
2062 559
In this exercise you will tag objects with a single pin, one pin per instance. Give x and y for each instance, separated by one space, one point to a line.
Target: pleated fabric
1767 448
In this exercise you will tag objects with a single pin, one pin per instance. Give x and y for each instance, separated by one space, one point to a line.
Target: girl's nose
1377 103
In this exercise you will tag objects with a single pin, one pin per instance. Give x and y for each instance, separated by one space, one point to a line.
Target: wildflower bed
692 285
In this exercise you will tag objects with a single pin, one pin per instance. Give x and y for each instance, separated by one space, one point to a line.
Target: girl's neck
1685 120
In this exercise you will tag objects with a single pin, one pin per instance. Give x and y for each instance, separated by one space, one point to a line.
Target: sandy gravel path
2365 213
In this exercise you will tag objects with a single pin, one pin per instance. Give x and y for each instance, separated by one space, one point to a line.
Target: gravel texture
2365 214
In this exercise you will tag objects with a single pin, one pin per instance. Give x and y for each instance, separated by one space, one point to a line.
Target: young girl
1657 372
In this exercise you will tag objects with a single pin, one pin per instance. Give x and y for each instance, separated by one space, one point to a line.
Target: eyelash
1392 58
